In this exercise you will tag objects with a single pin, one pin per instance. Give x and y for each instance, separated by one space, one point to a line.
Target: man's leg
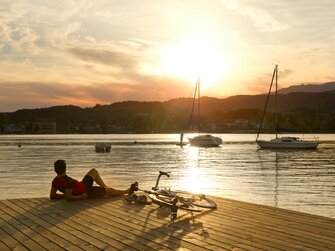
110 191
96 177
131 190
114 192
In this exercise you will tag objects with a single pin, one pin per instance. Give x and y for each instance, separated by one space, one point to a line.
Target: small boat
202 140
103 147
205 140
282 142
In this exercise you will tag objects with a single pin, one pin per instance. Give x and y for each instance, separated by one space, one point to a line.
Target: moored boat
288 143
103 147
201 140
205 140
282 142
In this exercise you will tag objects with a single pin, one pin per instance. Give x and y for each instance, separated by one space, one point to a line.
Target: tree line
233 114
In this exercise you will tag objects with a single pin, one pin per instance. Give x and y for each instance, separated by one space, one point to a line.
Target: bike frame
172 198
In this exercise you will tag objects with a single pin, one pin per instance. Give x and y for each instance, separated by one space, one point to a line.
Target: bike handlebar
158 178
164 173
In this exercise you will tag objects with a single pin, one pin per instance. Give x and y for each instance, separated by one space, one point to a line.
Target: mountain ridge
304 111
328 86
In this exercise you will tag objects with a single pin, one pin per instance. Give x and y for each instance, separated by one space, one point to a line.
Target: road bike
165 197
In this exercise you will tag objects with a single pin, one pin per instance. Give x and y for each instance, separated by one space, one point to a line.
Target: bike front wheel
198 200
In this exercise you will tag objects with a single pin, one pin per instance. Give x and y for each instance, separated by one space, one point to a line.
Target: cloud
262 18
18 95
28 28
11 12
132 59
107 57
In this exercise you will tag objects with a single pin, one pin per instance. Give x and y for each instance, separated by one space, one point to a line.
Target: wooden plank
8 242
63 223
122 226
280 213
259 233
260 223
297 246
296 225
235 236
177 226
65 240
23 239
88 225
110 224
160 230
159 235
28 231
3 246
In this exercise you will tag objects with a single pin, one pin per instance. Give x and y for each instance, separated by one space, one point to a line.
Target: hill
309 112
329 86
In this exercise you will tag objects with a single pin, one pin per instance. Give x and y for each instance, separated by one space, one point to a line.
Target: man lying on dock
71 189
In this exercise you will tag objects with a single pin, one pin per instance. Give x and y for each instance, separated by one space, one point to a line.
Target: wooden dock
112 224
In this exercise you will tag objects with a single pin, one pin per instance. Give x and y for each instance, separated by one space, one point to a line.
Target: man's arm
54 195
70 196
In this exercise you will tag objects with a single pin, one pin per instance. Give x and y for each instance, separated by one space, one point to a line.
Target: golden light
193 57
193 154
195 179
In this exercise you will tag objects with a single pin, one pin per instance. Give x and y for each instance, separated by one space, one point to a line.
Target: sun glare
195 179
194 57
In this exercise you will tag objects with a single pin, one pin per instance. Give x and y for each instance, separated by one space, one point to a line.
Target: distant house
44 127
13 128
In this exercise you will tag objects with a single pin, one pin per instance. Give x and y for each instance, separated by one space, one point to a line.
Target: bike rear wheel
168 201
198 200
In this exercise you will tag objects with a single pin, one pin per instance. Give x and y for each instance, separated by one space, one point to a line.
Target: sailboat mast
198 104
276 126
266 103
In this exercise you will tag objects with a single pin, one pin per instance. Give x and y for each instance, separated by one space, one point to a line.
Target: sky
88 52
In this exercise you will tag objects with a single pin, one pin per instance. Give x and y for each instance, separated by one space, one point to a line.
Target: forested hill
286 102
329 86
171 116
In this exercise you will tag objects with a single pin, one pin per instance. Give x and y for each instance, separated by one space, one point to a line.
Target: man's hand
54 195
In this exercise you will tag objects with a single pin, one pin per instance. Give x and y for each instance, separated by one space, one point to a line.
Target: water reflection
195 179
302 179
263 164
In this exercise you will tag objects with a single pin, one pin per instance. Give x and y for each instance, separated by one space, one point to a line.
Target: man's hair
60 166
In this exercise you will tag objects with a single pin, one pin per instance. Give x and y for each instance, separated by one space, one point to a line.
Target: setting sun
193 57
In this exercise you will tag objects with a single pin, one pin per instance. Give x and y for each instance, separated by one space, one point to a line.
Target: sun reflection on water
194 179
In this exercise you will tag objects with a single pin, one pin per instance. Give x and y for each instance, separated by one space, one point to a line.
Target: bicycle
178 199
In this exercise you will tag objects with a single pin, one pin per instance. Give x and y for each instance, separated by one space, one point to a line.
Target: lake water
302 180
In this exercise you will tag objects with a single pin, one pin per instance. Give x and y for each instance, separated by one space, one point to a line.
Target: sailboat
201 140
282 142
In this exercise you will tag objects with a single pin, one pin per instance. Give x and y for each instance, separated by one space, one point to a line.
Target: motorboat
201 140
103 147
205 140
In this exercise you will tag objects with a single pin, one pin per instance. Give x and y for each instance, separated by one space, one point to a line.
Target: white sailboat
202 140
282 142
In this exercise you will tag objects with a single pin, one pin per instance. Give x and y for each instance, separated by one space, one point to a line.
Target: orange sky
85 52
